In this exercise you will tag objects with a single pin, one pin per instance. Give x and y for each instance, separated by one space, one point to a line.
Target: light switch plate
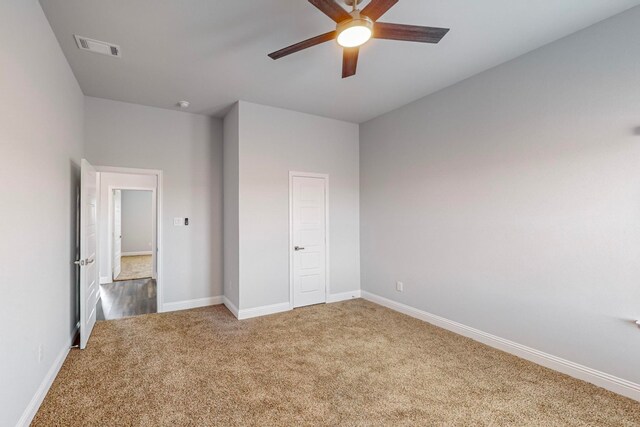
178 222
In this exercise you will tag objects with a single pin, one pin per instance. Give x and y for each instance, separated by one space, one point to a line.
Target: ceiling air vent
97 46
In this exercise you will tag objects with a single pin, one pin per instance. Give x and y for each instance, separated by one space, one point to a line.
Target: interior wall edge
230 305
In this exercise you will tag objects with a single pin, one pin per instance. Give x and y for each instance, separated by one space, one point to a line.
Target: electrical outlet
40 353
399 286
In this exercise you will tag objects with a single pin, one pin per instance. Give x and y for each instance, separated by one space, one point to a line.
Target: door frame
158 235
112 218
325 177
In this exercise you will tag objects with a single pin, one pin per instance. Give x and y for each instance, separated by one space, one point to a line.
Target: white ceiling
214 52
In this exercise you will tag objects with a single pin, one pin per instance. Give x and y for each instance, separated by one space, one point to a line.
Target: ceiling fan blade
349 61
377 8
303 45
411 33
331 9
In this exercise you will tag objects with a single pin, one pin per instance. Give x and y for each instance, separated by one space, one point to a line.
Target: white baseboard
250 313
192 303
343 296
37 399
601 379
265 310
232 308
136 253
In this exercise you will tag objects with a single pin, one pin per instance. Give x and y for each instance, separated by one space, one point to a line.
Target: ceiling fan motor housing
357 20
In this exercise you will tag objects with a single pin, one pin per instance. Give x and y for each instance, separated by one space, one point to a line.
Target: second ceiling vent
97 46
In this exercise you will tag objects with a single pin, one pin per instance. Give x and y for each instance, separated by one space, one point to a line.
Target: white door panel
88 247
309 240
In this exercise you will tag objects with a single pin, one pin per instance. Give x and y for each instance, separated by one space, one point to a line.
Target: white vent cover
97 46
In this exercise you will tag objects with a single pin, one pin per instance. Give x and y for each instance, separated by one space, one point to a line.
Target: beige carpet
135 267
350 363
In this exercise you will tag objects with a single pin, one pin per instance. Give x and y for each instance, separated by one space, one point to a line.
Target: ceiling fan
356 28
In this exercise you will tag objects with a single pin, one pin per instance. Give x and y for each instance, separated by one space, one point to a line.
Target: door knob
298 248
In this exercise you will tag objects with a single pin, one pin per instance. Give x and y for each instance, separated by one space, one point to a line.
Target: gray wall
273 142
231 206
510 202
137 230
188 148
41 136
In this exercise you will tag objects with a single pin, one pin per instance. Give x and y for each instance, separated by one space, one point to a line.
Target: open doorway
129 235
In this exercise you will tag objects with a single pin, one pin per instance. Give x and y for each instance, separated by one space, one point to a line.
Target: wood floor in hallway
128 298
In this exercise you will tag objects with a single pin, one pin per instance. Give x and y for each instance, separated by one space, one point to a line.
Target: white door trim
158 235
111 228
324 176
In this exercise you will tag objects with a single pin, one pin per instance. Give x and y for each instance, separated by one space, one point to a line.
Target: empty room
320 212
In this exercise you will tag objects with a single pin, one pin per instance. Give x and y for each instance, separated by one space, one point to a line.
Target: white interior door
117 232
89 292
308 227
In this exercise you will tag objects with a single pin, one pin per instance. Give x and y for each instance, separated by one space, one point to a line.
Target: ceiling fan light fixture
355 32
355 28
